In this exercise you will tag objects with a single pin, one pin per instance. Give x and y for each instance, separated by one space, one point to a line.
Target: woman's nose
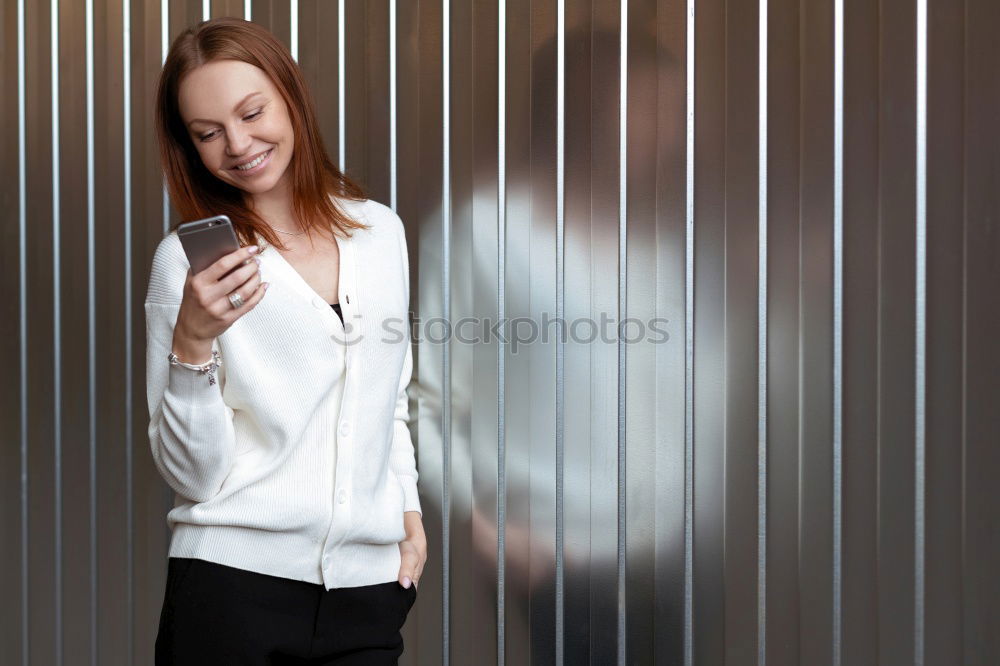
238 142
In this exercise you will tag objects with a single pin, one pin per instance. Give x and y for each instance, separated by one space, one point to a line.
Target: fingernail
266 285
406 582
252 249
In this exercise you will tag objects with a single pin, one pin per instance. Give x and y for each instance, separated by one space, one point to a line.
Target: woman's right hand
205 312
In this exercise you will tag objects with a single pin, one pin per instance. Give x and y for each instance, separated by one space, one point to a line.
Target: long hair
195 192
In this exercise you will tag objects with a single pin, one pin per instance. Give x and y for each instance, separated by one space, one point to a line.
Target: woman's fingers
251 291
410 565
222 266
254 288
239 279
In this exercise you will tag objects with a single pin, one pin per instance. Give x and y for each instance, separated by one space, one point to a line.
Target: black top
336 308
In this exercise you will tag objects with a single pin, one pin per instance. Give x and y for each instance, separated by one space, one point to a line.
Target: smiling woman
296 527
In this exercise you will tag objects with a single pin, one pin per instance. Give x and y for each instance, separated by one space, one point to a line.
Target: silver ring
235 300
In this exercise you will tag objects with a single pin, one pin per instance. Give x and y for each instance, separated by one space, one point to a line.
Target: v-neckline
304 286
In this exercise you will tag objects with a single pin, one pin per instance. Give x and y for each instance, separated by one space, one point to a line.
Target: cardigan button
342 496
345 428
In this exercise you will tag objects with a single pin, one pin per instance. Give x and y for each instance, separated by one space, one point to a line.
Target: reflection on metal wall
785 453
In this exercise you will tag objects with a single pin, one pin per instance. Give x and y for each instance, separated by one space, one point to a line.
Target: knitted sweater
298 461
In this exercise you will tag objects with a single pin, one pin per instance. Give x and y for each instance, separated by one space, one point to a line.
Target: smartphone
208 240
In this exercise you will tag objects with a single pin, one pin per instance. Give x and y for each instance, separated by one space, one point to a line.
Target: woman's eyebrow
238 105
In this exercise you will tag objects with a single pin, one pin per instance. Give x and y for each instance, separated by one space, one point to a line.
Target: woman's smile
259 163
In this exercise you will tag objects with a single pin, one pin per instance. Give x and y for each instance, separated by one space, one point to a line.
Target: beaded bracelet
204 368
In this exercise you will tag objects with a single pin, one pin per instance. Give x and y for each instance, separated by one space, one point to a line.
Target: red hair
193 189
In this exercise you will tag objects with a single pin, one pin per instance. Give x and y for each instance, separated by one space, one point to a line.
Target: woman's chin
254 187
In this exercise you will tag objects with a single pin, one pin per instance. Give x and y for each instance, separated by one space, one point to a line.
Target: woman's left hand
412 550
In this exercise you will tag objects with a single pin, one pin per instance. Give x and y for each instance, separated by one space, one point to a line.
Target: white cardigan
289 465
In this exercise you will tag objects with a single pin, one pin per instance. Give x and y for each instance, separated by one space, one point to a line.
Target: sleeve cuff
193 386
411 496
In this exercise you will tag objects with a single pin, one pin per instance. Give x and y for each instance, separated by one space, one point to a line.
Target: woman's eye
206 137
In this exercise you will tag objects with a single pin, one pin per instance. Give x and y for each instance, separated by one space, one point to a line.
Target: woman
278 417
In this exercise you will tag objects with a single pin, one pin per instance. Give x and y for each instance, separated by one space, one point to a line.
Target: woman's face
235 115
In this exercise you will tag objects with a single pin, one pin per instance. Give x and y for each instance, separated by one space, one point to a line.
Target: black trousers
220 615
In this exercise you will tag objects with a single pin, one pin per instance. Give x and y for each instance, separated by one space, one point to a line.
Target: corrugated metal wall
806 191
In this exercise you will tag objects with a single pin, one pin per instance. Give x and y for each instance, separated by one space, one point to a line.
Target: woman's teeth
254 163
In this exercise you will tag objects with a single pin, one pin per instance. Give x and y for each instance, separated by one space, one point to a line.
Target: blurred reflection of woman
278 417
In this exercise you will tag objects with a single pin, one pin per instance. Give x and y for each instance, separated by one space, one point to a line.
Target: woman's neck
275 206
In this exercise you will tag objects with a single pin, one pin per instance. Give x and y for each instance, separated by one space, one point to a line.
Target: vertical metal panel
472 285
276 16
42 565
861 306
293 29
479 299
838 330
920 334
981 330
896 287
341 87
816 288
217 8
151 33
355 81
129 406
445 264
603 306
425 618
318 59
709 334
91 596
14 615
658 169
642 250
367 104
463 644
945 166
22 644
421 193
109 322
740 278
689 134
410 631
537 469
560 341
497 527
517 404
783 335
175 18
621 312
164 49
762 328
55 59
393 131
577 286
